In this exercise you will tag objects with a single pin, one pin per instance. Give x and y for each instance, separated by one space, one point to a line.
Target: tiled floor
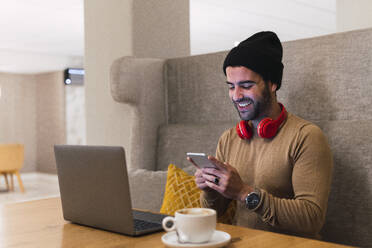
37 186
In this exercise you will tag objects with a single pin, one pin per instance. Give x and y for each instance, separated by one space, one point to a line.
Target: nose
237 94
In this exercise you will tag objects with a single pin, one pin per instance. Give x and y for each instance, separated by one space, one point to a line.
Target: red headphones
267 128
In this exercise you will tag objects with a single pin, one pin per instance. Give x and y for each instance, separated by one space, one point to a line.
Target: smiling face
250 94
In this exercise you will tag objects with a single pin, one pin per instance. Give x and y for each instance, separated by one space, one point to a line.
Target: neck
273 112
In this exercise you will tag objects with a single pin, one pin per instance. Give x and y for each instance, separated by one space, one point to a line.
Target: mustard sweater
293 171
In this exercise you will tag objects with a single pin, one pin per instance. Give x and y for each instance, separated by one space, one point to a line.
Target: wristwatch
253 199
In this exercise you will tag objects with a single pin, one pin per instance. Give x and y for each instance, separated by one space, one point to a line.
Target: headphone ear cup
243 130
266 128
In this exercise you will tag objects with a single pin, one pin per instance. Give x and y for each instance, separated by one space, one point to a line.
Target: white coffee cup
192 225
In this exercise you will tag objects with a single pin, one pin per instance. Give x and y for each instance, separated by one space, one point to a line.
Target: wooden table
40 224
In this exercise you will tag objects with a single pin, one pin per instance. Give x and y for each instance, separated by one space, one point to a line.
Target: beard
259 108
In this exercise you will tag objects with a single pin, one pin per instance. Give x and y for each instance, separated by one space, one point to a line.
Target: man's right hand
200 181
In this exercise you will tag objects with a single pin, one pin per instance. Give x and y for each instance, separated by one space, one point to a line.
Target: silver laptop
94 187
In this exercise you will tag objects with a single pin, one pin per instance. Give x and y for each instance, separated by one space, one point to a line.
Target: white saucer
218 239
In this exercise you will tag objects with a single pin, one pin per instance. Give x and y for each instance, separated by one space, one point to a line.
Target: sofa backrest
198 108
327 80
197 92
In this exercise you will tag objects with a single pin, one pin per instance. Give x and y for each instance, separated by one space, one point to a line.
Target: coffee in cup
192 225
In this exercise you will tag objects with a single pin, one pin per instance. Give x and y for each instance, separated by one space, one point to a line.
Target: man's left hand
229 183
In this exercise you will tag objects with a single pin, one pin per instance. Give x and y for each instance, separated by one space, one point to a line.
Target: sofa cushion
180 191
178 139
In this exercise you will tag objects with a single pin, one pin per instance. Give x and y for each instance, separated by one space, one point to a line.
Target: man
275 165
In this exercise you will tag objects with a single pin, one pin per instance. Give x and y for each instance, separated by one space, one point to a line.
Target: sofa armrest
139 83
147 188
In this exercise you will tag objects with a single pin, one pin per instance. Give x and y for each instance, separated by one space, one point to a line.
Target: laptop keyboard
148 216
145 225
144 220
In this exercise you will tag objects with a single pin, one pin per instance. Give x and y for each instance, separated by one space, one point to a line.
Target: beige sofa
181 105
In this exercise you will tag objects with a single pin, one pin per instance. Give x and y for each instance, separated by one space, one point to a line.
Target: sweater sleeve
311 180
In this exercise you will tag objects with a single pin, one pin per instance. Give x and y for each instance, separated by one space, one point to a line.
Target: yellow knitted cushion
180 191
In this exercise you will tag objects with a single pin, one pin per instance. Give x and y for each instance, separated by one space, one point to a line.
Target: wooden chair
11 161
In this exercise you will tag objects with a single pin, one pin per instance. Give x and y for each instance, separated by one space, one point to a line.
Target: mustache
244 99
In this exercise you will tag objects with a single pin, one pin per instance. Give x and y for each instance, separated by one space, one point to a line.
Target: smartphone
201 160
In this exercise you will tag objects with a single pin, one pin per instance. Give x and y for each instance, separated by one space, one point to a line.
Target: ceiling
41 35
47 35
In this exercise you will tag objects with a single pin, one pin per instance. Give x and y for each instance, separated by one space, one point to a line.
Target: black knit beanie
262 53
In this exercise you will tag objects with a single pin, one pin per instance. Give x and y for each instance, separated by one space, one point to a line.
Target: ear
273 87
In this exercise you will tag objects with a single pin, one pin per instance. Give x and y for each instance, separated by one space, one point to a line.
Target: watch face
252 200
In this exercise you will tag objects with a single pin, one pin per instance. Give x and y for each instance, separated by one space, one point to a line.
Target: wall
106 38
111 36
20 61
161 28
32 113
75 114
50 121
18 114
353 14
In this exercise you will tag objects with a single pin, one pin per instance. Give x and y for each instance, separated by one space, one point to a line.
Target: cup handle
169 223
